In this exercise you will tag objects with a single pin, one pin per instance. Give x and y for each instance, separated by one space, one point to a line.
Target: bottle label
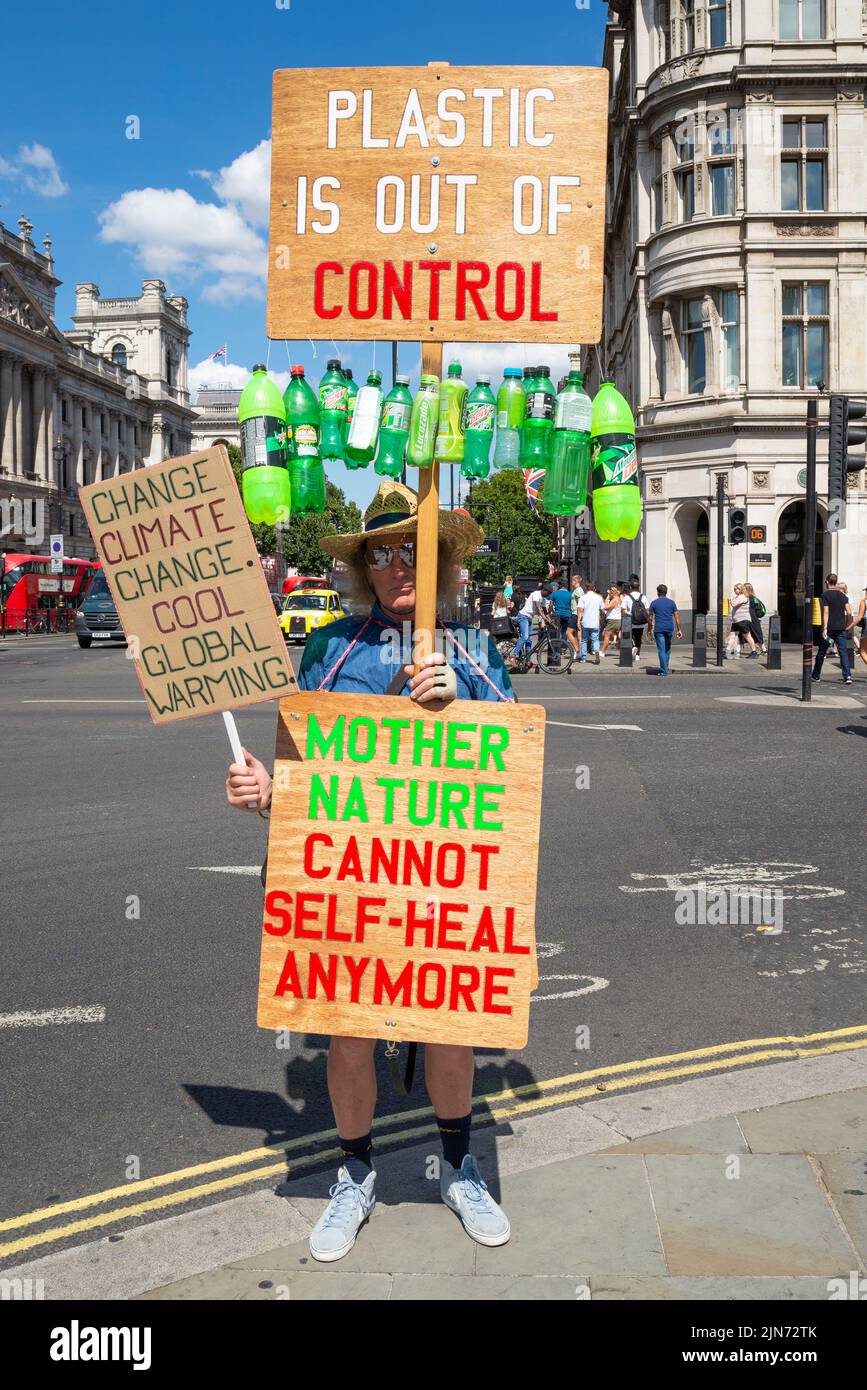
540 405
395 415
574 412
333 398
264 443
306 441
615 460
480 416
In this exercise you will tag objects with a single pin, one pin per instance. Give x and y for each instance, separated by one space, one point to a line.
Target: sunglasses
379 557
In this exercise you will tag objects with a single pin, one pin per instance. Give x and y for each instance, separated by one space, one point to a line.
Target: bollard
626 639
699 640
775 645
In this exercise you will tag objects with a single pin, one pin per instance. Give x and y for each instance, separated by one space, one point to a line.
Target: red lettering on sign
289 982
518 293
319 974
431 971
305 914
465 287
485 937
356 308
509 945
536 313
463 991
350 864
308 855
436 268
400 291
484 852
488 1006
363 918
319 308
446 920
272 904
383 984
414 921
356 970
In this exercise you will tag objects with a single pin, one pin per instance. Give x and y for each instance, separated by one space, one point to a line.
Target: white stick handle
235 741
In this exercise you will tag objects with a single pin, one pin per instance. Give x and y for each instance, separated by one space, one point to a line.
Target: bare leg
448 1074
863 649
352 1085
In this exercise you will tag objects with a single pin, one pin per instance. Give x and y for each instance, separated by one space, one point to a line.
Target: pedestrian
612 608
502 605
861 621
663 622
348 656
527 614
560 606
739 607
589 611
836 622
757 611
574 622
639 612
508 586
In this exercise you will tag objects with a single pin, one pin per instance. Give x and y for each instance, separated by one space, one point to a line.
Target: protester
349 656
664 620
861 621
836 621
589 610
560 606
612 608
739 605
639 613
757 612
572 631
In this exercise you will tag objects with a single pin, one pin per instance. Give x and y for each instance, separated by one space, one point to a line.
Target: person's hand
679 634
248 787
435 680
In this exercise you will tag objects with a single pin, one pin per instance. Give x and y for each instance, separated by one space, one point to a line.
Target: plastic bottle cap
429 379
402 380
333 364
260 367
297 371
512 371
374 378
529 371
454 369
544 371
347 372
483 379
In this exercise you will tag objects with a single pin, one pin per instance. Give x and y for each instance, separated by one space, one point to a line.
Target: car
306 610
97 616
303 581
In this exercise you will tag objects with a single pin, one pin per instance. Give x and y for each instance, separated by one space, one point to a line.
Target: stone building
735 280
104 397
216 417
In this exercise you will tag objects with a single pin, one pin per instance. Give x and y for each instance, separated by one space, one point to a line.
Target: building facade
735 263
216 417
104 397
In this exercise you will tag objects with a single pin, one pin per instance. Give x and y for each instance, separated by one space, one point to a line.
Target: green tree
499 505
301 537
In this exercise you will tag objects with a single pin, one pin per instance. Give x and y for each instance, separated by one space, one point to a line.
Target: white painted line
633 728
792 701
38 1018
551 698
226 868
84 702
596 982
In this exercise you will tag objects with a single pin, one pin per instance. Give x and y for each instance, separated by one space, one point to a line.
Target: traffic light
841 439
737 525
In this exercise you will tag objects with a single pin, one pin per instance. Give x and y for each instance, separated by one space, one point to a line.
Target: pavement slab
809 1126
845 1176
679 1288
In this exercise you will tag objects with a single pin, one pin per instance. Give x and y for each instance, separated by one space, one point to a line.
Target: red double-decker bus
33 599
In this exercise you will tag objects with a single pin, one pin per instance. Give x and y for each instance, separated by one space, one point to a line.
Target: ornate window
663 29
692 327
804 164
730 347
722 188
802 20
805 328
118 355
686 194
689 25
717 18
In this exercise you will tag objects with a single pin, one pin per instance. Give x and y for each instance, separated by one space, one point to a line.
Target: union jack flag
533 478
221 352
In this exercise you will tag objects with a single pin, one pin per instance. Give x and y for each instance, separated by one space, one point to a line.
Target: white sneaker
465 1192
636 654
351 1203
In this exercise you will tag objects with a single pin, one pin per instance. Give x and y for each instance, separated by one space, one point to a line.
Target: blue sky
187 200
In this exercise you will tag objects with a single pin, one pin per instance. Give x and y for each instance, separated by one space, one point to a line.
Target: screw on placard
285 202
528 728
435 161
432 246
390 1023
293 714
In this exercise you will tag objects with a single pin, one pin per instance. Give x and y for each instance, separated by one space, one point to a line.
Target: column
77 442
38 428
18 416
7 415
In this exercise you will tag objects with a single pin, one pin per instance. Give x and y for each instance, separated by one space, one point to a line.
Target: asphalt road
100 809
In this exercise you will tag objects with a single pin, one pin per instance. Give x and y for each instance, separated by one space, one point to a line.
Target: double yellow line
403 1128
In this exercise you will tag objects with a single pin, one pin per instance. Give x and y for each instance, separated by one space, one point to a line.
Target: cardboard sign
184 573
401 889
439 203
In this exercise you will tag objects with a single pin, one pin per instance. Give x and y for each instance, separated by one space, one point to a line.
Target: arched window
118 355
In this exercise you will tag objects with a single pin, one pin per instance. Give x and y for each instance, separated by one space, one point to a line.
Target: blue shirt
562 602
663 611
384 648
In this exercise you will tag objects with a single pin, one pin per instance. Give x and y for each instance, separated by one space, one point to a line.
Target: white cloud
493 357
172 232
229 375
246 183
37 169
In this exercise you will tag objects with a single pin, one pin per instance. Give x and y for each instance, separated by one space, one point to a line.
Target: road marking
39 1018
746 877
596 982
606 728
552 698
792 701
226 868
84 702
506 1103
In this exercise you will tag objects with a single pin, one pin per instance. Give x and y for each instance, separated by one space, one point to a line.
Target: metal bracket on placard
392 1057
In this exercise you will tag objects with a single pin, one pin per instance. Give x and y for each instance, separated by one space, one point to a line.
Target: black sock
455 1136
357 1156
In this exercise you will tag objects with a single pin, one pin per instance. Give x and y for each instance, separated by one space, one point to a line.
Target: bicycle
552 653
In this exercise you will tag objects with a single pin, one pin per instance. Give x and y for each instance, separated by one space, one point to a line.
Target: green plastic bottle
480 409
351 393
394 429
538 420
614 459
566 478
511 404
423 422
364 430
450 435
307 476
332 411
265 485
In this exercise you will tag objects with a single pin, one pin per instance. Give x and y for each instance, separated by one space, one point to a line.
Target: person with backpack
640 611
757 612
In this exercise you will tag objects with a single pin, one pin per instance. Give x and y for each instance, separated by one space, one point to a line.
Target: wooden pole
428 531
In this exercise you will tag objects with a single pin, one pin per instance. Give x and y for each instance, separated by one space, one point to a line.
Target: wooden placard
450 203
402 856
188 585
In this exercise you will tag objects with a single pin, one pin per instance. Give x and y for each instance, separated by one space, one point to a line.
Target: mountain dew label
263 442
479 416
306 441
332 397
614 460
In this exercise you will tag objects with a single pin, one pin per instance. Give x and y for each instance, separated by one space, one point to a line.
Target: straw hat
394 512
